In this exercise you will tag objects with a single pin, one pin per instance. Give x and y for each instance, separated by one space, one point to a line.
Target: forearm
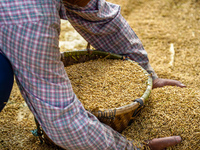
102 25
150 70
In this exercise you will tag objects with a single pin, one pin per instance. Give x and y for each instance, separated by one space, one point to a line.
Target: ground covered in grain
161 25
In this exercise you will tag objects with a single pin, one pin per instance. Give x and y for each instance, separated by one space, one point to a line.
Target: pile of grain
169 111
106 83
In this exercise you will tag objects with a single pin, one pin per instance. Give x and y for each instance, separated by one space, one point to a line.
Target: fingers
174 83
161 143
167 82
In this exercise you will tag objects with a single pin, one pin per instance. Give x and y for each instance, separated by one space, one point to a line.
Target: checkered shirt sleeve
102 25
29 37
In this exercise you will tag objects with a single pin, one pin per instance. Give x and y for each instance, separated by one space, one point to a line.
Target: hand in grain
161 143
159 82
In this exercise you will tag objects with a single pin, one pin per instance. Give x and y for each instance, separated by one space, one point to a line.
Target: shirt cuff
150 70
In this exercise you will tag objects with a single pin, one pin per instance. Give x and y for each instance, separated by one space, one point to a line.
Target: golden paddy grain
106 83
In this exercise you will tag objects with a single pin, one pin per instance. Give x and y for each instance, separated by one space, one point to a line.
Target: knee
6 83
6 80
6 73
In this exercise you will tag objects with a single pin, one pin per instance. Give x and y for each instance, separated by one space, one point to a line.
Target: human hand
159 82
162 143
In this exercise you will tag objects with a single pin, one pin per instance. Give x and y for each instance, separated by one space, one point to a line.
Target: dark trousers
6 80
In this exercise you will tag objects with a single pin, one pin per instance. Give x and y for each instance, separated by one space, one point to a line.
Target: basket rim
123 109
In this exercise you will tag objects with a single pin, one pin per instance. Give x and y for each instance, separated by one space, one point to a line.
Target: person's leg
6 80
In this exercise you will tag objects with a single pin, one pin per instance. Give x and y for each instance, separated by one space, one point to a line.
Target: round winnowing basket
117 118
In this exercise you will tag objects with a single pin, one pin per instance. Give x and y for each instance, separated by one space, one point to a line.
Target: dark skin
159 82
162 143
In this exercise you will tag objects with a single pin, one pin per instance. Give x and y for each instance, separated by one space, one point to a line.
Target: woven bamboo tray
117 118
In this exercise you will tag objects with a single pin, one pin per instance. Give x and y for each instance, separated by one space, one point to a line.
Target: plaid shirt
29 37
